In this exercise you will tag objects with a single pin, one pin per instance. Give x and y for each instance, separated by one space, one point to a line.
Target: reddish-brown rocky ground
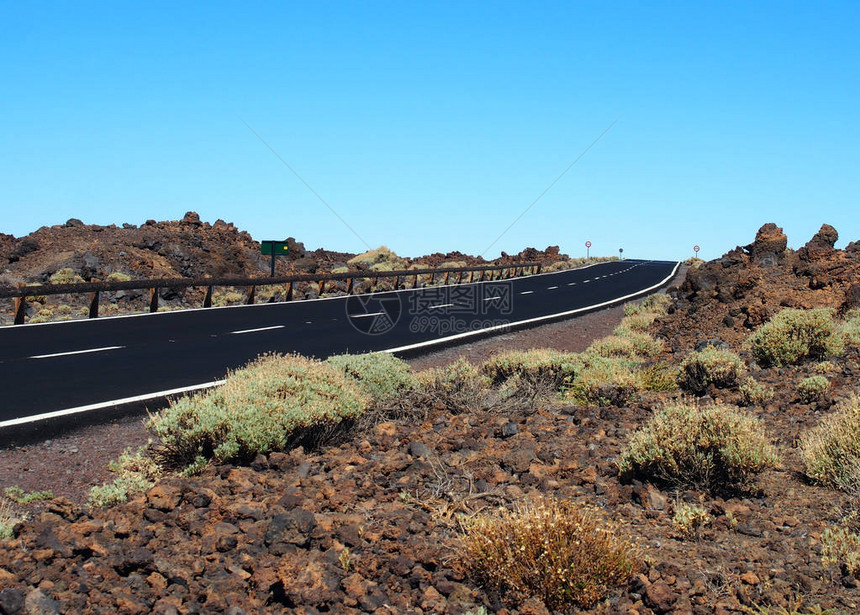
370 525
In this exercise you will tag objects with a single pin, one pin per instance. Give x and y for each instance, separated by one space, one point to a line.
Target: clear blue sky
432 126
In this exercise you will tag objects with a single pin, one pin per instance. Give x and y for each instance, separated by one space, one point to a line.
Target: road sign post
696 250
275 248
621 254
587 250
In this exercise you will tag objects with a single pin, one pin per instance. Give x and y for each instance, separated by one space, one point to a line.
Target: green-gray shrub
793 336
812 388
710 366
831 450
754 393
379 374
604 381
715 447
136 472
19 496
274 402
65 276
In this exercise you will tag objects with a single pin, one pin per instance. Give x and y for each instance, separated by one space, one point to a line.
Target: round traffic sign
587 244
696 249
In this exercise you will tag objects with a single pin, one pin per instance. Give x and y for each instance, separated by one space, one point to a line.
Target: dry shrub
604 381
715 447
849 329
841 546
626 343
563 552
275 402
639 321
659 378
755 393
379 374
657 304
458 387
711 366
793 336
831 450
8 519
813 388
539 365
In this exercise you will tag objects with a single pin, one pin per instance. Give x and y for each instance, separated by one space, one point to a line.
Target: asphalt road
52 368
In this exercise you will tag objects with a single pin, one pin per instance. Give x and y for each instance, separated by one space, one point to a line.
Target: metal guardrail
488 272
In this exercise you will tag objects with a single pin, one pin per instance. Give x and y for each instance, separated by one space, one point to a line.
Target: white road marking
571 283
527 292
492 298
444 305
586 281
65 354
109 404
366 315
552 287
508 326
255 330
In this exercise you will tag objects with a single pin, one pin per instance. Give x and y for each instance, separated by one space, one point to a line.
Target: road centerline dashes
71 352
527 292
552 287
239 332
366 315
444 305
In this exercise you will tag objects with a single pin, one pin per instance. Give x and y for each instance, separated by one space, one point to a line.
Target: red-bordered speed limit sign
587 244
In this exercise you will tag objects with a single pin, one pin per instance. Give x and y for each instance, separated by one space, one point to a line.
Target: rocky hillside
187 248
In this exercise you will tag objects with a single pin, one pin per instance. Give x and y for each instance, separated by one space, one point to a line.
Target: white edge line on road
109 404
538 319
282 303
71 352
255 330
214 383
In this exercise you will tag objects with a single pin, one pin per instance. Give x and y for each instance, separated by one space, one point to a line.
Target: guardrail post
415 281
153 300
249 300
322 288
433 278
94 304
349 286
539 267
207 300
396 282
460 277
20 309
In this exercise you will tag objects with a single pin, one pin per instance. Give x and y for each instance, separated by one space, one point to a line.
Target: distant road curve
64 369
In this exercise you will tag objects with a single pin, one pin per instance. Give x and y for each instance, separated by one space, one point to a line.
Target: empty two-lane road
46 368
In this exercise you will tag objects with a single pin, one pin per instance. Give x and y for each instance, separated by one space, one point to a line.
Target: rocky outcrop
749 284
769 245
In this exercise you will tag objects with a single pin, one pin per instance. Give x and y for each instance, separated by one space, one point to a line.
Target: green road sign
273 248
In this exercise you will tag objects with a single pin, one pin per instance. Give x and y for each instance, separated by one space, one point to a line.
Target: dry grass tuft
565 553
